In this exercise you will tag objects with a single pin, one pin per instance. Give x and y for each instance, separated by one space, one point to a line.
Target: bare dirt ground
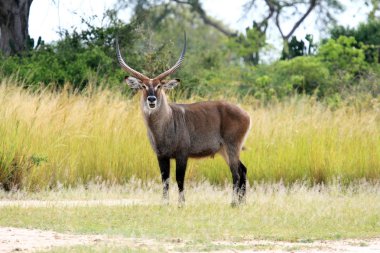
30 240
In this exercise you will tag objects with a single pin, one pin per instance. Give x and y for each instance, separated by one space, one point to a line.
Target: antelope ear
133 82
170 84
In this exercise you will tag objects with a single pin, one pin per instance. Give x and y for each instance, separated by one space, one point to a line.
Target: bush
367 36
342 55
304 74
213 65
78 58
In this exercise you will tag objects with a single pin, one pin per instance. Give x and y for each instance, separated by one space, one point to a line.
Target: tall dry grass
49 138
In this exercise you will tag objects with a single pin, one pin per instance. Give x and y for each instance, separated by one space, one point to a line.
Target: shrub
342 55
304 74
367 34
77 58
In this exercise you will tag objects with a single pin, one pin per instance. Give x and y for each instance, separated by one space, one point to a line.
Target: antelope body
180 131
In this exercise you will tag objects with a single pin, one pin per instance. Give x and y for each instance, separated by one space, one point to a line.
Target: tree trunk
14 16
285 49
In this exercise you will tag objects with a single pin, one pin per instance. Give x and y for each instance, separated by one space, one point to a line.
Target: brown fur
180 131
197 130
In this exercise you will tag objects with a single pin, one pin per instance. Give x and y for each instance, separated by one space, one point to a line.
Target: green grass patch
145 248
272 212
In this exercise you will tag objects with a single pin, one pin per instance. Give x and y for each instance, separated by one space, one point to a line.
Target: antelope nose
152 99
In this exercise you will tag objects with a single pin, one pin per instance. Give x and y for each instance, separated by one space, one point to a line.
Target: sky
47 17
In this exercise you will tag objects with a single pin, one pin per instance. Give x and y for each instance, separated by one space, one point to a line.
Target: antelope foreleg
181 164
164 164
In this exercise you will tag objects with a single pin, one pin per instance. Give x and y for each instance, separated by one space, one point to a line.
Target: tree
367 36
255 37
196 7
375 4
276 10
155 12
247 45
142 7
14 22
280 9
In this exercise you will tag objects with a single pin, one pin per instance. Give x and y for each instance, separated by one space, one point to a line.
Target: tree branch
276 6
264 22
278 23
196 7
312 5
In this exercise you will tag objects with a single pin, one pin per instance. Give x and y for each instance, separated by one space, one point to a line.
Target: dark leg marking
164 164
242 182
235 182
181 164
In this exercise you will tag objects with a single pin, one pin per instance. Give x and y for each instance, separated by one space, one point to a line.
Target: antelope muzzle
151 101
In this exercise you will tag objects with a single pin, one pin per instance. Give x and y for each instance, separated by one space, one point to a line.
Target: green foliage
248 46
304 74
342 55
298 47
367 34
78 58
214 65
205 69
295 48
258 82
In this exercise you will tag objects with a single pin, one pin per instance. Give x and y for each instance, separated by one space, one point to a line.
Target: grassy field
207 222
51 139
60 147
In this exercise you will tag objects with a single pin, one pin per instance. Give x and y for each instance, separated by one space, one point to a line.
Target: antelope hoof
242 199
235 200
181 204
234 204
165 200
181 200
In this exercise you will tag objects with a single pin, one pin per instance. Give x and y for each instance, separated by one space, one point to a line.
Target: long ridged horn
126 67
176 65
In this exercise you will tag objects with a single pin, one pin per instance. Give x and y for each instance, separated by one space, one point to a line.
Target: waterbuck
180 131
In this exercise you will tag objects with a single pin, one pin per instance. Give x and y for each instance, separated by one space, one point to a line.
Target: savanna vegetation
52 138
68 119
70 130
